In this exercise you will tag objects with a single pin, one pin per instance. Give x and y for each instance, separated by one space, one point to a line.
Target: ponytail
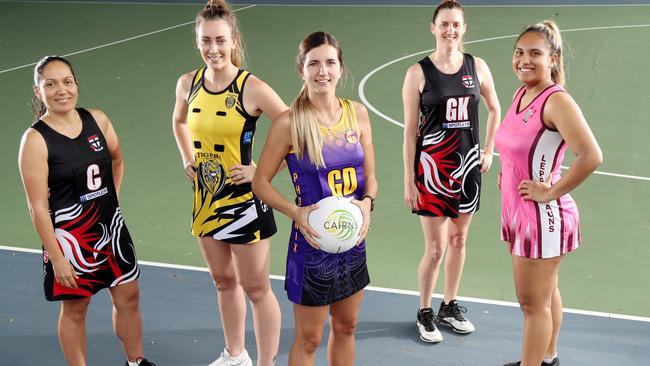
305 131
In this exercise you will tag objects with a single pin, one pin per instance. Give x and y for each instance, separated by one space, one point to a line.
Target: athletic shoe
426 326
227 360
450 315
142 362
555 362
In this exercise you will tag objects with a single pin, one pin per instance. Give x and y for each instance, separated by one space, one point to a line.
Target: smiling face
449 28
532 59
57 88
215 42
322 69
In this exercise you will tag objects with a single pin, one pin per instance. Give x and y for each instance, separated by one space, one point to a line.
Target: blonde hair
220 10
551 33
450 5
305 130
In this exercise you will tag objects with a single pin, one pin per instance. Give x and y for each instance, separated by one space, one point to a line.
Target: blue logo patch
248 136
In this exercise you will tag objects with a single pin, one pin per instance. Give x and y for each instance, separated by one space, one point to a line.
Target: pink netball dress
530 150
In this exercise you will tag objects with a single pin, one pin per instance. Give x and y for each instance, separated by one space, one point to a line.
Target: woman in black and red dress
71 165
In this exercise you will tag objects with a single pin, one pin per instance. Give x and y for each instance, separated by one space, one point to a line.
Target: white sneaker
426 326
225 359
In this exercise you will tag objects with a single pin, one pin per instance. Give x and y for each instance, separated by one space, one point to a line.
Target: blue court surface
182 328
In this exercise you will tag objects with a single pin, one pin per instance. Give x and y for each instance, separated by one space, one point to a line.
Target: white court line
117 42
364 100
380 289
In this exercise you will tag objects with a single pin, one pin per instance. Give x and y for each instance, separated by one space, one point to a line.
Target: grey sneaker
427 328
451 315
225 359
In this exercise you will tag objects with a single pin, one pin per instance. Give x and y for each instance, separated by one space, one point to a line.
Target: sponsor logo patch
93 195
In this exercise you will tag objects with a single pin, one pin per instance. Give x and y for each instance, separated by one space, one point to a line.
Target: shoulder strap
197 81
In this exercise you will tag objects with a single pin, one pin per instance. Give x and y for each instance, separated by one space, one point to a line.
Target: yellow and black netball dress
222 134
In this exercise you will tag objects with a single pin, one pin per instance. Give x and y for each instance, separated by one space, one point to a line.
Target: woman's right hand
411 194
64 273
499 181
302 221
190 170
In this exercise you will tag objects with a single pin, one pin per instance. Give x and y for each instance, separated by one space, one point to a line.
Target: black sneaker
555 362
142 362
426 326
450 315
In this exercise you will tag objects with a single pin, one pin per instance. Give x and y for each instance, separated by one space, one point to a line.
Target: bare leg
127 320
343 322
72 330
230 295
455 258
309 323
535 282
252 264
435 242
556 311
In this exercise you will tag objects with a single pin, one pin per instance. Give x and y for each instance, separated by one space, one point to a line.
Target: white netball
338 222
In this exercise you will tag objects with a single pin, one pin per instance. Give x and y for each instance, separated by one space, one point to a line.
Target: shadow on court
181 327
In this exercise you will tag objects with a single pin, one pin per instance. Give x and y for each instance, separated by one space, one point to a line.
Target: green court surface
133 82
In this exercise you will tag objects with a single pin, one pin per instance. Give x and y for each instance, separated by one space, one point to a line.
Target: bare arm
114 148
276 148
260 98
413 84
371 186
179 125
491 100
32 163
562 113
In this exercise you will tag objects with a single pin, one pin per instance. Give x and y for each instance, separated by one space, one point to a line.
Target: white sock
133 363
545 360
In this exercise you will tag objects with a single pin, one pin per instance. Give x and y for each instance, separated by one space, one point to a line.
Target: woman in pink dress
539 219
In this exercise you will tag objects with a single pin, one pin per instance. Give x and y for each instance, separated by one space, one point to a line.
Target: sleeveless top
222 134
88 223
447 157
529 150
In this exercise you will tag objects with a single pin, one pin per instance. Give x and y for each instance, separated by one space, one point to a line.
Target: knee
224 282
344 327
434 251
457 241
310 341
127 302
76 312
256 291
532 306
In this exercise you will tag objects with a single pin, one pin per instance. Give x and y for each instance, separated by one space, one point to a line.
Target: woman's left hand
534 191
364 205
240 174
486 161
